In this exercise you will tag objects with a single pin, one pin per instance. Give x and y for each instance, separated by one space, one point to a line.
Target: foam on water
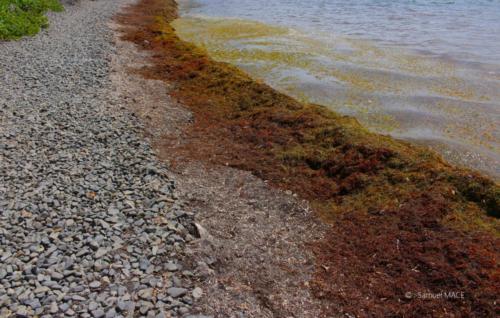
443 95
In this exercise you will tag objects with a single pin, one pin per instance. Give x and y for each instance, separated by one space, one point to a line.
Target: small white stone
197 293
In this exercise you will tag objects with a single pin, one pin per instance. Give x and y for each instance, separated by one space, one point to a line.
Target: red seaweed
405 225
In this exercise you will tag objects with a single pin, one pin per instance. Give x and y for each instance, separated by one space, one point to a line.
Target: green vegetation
24 17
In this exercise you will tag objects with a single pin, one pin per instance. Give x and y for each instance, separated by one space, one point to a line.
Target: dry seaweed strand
403 220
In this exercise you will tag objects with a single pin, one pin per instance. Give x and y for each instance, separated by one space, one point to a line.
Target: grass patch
19 18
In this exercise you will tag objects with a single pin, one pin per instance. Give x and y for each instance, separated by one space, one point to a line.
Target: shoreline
370 188
250 257
399 93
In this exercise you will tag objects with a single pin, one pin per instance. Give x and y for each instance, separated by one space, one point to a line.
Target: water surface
426 71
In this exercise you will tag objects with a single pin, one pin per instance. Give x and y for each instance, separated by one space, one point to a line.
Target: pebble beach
90 223
142 177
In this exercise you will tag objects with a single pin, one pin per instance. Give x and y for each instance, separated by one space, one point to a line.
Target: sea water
425 71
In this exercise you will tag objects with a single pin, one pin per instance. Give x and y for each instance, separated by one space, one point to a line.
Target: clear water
426 71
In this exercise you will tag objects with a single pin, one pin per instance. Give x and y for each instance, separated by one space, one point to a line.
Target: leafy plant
24 17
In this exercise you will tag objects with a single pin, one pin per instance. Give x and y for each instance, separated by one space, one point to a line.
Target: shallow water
427 71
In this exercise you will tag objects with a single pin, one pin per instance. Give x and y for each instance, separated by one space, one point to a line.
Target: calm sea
425 71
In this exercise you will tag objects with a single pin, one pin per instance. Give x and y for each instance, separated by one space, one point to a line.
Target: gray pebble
170 267
146 294
95 284
80 187
98 313
176 291
197 293
53 308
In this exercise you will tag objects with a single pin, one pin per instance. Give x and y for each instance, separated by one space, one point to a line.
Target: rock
88 212
202 232
34 303
78 298
100 252
98 313
144 264
161 315
113 211
53 308
95 284
5 256
41 289
22 311
111 313
63 307
146 294
176 291
122 305
177 282
94 245
93 305
56 275
171 267
197 293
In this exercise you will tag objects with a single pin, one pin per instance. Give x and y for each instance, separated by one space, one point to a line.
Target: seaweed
403 220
